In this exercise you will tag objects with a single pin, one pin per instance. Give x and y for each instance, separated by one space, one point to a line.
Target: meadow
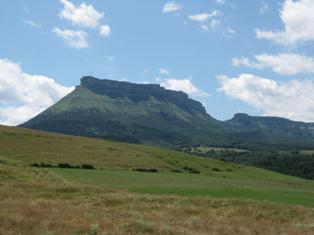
186 195
184 184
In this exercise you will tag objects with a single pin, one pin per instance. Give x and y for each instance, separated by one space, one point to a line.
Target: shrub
45 165
35 165
88 166
67 165
194 171
191 170
176 171
152 170
216 169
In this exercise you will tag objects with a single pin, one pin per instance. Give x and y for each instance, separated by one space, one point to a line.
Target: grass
277 191
223 198
38 201
28 147
204 149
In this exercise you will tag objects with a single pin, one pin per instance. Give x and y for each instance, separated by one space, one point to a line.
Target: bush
216 169
45 165
194 171
67 165
176 171
35 165
88 166
152 170
191 170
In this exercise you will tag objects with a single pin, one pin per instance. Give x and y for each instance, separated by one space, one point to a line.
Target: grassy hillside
34 146
213 198
295 163
38 201
178 173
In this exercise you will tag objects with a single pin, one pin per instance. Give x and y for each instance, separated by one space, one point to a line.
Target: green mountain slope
276 133
129 112
150 114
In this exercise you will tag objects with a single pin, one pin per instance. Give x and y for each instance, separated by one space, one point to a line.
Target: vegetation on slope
37 201
295 163
135 113
177 173
105 201
150 114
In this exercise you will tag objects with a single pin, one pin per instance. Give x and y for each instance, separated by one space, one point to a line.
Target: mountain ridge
151 114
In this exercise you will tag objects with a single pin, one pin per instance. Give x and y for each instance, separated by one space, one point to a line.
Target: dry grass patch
34 201
139 215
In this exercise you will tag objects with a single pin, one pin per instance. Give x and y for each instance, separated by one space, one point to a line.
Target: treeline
291 163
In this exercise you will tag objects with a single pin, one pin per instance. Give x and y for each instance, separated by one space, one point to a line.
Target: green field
277 190
187 194
115 162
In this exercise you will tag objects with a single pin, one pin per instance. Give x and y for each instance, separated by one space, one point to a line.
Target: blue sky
233 56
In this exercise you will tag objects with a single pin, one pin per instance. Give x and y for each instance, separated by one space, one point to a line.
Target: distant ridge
151 114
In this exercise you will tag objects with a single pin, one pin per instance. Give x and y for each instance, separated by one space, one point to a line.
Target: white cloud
229 32
283 64
208 20
293 99
184 85
32 24
264 8
76 39
205 27
298 18
222 2
214 23
105 31
84 15
244 62
203 17
164 71
23 96
171 7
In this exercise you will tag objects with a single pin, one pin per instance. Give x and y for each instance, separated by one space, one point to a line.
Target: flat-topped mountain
138 113
242 122
141 93
151 114
274 132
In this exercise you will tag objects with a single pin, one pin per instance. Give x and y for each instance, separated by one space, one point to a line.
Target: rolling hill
122 165
143 189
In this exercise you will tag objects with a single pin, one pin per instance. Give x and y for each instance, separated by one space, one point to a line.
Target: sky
255 57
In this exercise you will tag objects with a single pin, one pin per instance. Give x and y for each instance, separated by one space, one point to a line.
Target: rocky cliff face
141 93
